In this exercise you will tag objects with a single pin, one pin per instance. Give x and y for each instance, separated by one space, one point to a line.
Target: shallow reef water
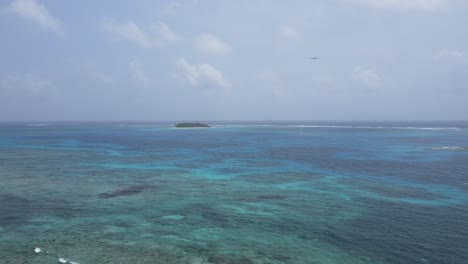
234 193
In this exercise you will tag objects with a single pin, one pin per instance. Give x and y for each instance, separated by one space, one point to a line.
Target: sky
233 60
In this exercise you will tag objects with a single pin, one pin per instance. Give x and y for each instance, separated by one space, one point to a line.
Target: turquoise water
298 192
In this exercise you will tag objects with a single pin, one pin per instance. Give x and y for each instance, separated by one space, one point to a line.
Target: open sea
238 192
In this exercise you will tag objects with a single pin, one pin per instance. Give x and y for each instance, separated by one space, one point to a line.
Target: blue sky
233 60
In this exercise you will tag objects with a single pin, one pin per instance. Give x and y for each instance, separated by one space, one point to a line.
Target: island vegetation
186 125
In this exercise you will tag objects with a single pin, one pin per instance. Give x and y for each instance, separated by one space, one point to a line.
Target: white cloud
288 32
404 4
165 33
37 13
202 74
212 44
128 31
366 77
449 54
158 35
138 73
26 84
103 77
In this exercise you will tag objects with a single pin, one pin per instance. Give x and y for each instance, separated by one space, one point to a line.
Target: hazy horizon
246 121
199 60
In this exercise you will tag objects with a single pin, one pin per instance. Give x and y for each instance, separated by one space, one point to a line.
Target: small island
188 125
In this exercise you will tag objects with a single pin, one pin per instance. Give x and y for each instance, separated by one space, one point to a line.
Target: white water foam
37 125
64 260
373 127
38 250
240 126
448 148
142 125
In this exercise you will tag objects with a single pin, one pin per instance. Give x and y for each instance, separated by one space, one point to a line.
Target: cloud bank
449 54
202 74
36 13
210 43
158 34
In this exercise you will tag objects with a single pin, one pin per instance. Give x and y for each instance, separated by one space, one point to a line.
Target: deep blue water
239 192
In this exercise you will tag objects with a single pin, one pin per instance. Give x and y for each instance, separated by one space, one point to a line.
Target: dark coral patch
127 191
271 197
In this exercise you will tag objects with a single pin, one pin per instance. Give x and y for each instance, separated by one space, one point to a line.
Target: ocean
238 192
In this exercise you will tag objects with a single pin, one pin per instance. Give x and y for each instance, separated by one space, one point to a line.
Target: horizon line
234 120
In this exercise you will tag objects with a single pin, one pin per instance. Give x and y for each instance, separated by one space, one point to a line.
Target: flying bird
314 58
